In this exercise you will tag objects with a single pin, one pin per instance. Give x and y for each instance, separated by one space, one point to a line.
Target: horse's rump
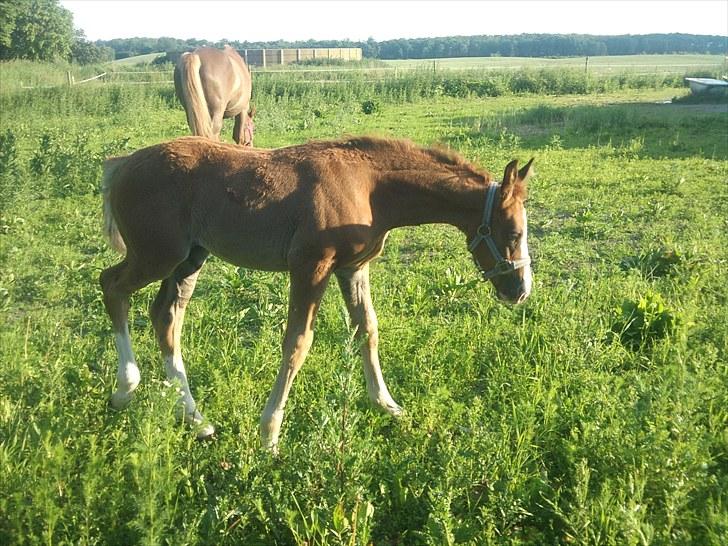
214 84
193 96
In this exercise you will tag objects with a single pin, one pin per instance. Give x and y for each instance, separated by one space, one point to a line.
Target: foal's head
499 244
248 128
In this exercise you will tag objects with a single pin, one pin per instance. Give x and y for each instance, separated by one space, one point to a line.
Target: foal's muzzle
514 293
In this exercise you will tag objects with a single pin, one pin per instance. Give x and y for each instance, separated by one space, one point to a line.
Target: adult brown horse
213 84
314 210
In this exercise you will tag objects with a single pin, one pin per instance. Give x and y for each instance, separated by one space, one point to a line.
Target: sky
358 20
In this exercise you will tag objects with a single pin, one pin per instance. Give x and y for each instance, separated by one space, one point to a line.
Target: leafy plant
70 166
659 262
369 106
8 167
8 152
644 321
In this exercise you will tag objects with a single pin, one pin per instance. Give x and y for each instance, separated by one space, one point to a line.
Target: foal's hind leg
354 285
118 283
167 313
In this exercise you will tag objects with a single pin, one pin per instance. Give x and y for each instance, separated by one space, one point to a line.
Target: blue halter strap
485 234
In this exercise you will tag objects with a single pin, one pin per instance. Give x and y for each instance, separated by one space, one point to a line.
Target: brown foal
313 210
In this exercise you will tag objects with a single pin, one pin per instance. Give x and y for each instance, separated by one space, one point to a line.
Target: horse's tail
111 230
198 116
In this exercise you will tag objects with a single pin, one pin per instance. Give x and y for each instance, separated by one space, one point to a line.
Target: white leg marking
127 375
527 274
270 428
377 389
177 376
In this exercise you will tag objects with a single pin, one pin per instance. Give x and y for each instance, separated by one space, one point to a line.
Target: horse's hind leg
354 284
217 122
238 129
167 313
118 283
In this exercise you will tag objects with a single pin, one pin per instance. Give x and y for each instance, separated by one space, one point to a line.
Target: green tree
85 52
8 14
35 29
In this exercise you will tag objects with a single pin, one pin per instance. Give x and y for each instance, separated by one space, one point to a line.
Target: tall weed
64 165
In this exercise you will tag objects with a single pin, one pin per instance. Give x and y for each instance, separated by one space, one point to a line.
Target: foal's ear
514 180
526 171
510 179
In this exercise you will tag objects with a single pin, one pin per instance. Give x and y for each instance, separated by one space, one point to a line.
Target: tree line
43 30
549 45
522 45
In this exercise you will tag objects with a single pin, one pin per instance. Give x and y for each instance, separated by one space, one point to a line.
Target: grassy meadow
599 64
595 413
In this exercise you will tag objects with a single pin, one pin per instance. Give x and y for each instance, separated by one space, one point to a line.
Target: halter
484 233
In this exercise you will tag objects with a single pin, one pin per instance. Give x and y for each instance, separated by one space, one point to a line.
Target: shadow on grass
638 130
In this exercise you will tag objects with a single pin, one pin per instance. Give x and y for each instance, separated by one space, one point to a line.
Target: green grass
526 425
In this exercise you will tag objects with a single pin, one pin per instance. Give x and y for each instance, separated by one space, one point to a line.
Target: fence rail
90 79
316 75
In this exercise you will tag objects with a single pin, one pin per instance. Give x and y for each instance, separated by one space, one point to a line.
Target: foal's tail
193 96
111 230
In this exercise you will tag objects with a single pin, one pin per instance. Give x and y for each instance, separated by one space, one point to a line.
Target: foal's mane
404 154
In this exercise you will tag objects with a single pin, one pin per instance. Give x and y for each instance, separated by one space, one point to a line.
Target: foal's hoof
205 432
390 407
395 410
120 400
203 429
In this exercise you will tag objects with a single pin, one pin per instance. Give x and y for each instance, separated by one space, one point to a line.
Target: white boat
707 85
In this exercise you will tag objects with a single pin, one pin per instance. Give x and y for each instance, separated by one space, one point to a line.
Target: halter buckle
506 266
484 231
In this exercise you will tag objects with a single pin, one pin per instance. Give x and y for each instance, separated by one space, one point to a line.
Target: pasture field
595 413
647 64
137 59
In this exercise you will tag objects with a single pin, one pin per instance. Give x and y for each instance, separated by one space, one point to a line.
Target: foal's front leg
307 288
354 285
